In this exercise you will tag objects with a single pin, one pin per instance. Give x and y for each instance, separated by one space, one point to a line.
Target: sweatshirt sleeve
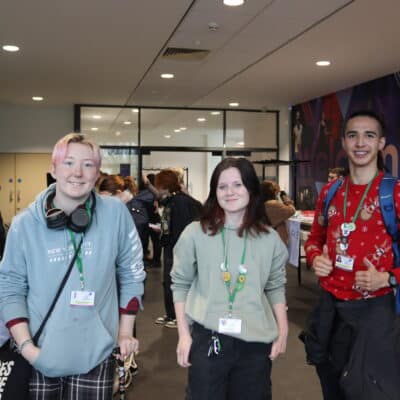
129 262
317 236
275 287
184 270
278 212
13 276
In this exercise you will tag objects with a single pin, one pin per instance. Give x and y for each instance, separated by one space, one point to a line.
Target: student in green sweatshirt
229 291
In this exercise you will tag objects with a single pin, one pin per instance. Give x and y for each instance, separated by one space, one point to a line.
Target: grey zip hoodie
75 339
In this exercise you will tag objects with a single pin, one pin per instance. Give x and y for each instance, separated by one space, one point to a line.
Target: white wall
33 129
195 162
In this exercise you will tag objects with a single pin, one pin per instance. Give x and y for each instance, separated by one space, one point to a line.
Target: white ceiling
263 54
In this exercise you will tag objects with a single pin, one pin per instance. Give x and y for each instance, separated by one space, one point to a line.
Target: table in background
298 228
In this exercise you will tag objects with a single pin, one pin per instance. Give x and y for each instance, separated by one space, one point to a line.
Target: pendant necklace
226 274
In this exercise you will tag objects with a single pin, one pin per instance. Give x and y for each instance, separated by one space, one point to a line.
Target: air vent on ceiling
178 53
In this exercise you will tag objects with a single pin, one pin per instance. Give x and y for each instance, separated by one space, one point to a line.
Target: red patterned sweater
370 239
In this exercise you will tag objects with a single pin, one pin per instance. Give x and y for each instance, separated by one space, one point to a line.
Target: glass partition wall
147 139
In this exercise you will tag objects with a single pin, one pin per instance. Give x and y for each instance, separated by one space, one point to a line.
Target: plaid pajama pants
97 384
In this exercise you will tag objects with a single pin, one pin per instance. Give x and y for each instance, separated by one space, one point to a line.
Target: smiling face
76 176
232 195
362 141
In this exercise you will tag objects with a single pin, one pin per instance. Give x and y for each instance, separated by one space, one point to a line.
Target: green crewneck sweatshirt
197 279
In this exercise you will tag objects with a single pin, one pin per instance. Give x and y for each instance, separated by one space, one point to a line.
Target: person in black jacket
153 231
125 188
179 210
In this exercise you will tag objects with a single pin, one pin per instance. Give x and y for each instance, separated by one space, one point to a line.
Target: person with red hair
179 210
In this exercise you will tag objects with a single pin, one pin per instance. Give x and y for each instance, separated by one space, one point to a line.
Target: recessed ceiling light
177 130
167 76
167 136
37 98
118 133
183 128
323 63
96 117
233 3
240 143
135 110
234 104
94 129
127 122
215 112
11 48
201 119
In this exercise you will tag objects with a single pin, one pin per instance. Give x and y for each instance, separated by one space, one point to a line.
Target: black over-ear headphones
78 221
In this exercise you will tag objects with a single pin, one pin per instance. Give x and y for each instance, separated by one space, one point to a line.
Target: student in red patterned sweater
354 322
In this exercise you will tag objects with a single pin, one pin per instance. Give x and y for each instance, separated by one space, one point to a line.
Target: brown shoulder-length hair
112 184
117 183
268 190
130 185
213 216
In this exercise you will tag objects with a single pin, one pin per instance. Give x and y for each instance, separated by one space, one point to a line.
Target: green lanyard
361 201
226 275
78 260
78 256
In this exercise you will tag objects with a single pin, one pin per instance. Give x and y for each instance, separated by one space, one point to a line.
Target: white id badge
344 262
82 298
230 325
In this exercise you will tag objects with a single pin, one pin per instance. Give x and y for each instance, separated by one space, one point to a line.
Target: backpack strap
329 196
388 210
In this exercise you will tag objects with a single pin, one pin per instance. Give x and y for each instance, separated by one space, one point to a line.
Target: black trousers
155 239
241 371
167 281
364 361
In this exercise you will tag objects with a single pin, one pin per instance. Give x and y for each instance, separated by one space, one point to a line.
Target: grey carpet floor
160 377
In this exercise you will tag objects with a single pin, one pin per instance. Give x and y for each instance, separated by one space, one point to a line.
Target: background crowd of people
223 275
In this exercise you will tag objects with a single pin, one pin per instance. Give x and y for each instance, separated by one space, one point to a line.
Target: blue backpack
389 216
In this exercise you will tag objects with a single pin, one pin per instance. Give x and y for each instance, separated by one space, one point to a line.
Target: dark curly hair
213 216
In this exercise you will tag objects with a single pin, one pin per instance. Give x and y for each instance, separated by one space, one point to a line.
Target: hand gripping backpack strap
388 210
328 198
60 289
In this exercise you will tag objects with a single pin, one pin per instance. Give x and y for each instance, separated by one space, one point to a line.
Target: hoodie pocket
74 349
